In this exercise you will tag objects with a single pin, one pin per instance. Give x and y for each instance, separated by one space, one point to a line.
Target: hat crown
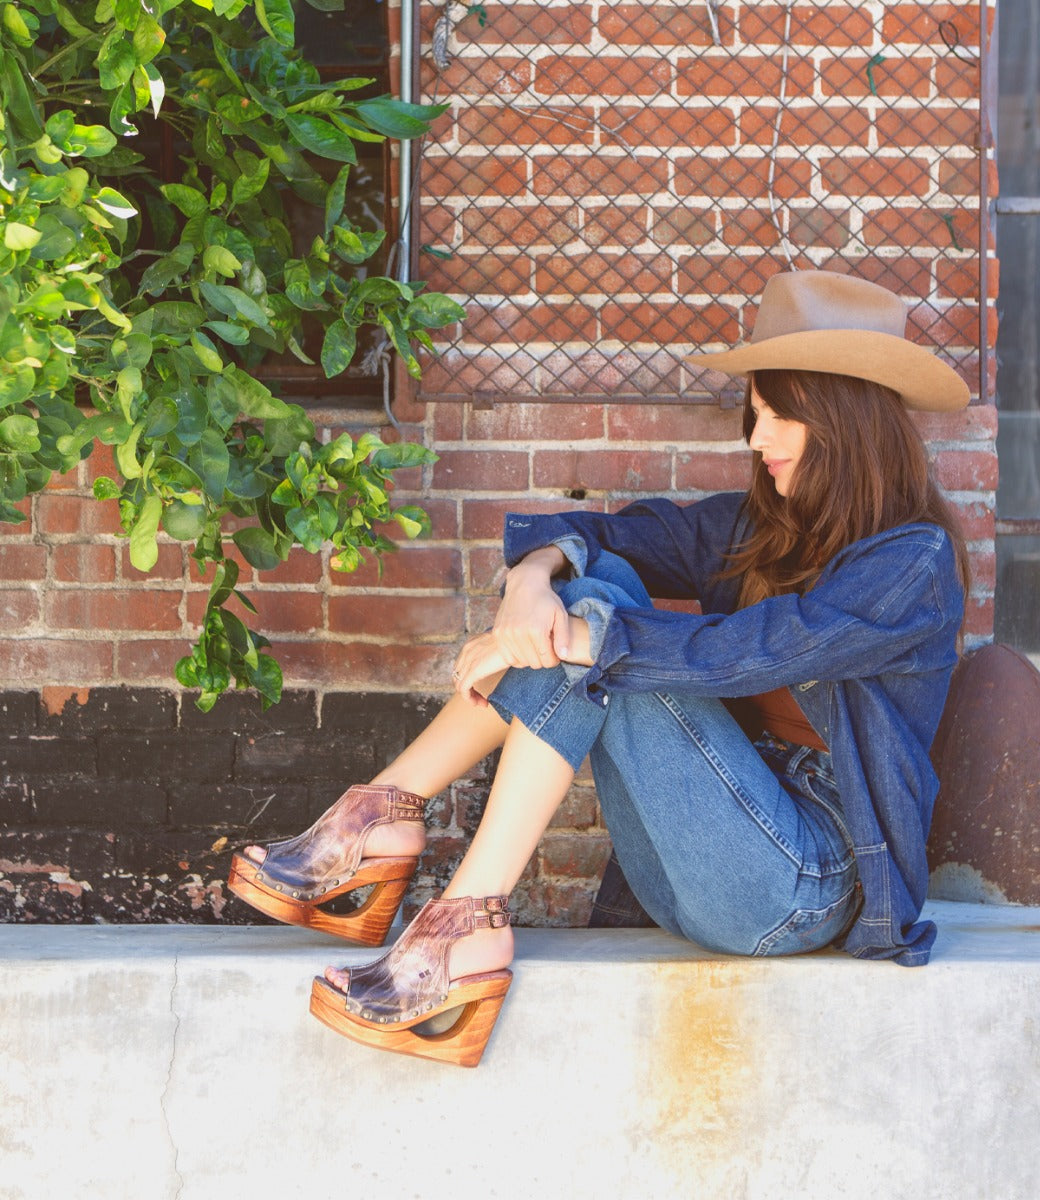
803 301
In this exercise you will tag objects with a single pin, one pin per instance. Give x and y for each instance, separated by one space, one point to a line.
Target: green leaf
233 302
115 203
20 237
246 187
20 433
433 310
221 260
321 137
149 39
277 17
182 521
189 200
144 550
337 350
258 547
210 459
255 400
395 119
164 271
115 61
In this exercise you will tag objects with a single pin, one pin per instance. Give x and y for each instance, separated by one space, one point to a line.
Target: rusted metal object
985 838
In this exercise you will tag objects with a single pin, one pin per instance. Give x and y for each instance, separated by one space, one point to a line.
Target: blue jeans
739 846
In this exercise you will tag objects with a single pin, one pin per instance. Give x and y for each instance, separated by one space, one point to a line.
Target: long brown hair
864 469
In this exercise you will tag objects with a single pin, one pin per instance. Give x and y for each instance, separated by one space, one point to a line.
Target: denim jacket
868 652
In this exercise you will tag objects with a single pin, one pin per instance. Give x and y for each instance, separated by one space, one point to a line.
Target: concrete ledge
146 1062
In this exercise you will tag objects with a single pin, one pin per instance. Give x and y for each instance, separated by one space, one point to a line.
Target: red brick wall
74 615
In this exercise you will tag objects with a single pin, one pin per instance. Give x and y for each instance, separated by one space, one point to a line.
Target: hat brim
922 380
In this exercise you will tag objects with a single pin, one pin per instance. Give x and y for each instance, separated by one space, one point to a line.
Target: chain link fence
614 182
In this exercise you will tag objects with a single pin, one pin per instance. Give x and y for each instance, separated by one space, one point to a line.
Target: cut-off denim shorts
738 846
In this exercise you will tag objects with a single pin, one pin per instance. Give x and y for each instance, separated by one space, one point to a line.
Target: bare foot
483 950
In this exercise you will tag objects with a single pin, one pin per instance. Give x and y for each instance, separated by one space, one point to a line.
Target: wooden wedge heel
301 876
405 1002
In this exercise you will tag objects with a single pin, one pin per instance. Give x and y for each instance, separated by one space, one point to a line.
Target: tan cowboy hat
823 321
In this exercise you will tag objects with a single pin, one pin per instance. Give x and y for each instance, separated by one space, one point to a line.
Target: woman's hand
531 625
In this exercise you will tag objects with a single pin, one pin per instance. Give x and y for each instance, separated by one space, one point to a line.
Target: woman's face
780 441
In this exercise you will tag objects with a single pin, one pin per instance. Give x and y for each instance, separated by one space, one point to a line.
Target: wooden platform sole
367 925
478 999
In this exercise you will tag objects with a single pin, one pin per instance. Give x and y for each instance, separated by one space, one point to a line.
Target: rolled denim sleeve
871 612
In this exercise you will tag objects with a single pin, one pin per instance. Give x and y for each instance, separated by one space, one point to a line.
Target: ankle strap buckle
497 909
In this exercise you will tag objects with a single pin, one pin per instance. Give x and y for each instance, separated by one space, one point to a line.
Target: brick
508 226
99 709
494 373
741 175
807 125
661 25
603 75
502 75
897 78
57 513
966 470
663 324
278 611
581 855
511 24
526 323
401 616
15 807
603 274
486 518
501 274
811 25
242 714
252 813
166 756
475 175
684 225
977 520
19 562
54 659
575 176
83 562
149 660
171 564
616 224
579 810
958 280
750 227
414 565
487 569
960 177
367 664
492 126
77 608
18 711
482 470
100 803
818 227
983 571
978 617
710 472
748 75
737 275
956 325
602 470
524 423
45 754
976 423
932 126
672 423
855 175
916 23
664 127
957 79
906 226
19 609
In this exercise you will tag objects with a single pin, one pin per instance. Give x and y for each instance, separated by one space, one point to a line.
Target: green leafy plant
135 309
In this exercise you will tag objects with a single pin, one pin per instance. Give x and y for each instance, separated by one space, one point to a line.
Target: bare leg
455 741
530 784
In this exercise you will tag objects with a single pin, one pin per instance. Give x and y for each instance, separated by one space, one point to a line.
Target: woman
832 594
